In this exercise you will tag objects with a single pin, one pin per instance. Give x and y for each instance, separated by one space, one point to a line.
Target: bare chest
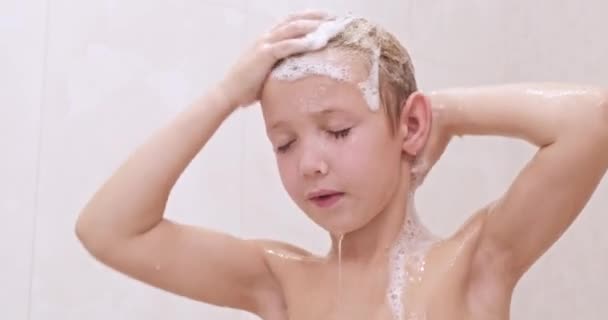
434 288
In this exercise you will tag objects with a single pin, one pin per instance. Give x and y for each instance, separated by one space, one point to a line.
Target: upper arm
200 264
543 201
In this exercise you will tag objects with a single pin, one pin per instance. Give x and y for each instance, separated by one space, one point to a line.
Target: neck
373 242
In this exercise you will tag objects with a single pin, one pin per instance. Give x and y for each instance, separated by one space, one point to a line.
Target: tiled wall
83 82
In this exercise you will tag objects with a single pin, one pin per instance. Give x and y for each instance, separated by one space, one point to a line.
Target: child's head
346 119
396 71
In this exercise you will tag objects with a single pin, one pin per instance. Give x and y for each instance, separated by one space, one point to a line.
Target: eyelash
340 134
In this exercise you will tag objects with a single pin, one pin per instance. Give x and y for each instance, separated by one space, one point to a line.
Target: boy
354 138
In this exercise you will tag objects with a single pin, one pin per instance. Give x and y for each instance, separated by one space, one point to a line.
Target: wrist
219 97
211 105
446 112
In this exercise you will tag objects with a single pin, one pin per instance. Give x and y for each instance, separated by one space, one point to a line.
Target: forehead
316 81
339 64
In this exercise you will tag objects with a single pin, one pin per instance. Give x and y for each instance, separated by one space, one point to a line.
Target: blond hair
397 78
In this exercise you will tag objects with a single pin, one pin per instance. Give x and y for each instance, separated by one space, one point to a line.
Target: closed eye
284 148
340 134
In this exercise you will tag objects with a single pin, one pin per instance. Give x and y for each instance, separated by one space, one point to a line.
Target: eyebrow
316 114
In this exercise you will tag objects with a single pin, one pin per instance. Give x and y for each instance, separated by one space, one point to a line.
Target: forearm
538 113
133 199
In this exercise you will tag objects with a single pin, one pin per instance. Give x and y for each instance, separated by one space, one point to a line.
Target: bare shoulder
281 255
471 226
455 263
284 261
469 238
465 240
277 247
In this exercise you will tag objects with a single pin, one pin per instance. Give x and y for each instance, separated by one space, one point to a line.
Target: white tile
472 172
265 13
117 71
561 44
21 62
572 271
456 44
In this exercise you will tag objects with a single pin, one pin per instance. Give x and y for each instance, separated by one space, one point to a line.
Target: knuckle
295 26
267 50
263 48
278 51
290 17
264 38
301 26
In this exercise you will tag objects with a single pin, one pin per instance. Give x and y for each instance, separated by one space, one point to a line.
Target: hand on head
243 83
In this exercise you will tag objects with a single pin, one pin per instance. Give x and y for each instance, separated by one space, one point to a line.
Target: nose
312 162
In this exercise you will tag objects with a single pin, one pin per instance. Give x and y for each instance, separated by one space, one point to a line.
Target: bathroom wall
21 80
84 82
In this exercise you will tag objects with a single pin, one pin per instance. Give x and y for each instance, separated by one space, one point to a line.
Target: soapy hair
397 78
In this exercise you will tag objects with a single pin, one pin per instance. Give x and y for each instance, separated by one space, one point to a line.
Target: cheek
372 169
368 154
288 173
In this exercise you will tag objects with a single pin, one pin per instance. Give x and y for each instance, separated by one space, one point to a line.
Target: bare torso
447 287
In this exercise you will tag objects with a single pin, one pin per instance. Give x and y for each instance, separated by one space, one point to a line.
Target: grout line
38 154
242 171
243 124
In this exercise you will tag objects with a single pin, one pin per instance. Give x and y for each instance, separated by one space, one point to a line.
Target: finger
286 48
294 29
304 15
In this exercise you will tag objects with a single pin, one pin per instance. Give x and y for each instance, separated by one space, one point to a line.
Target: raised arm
569 125
123 224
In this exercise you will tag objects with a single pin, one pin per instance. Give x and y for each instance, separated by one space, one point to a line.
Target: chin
339 224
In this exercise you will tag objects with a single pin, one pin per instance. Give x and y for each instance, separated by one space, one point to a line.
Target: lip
325 198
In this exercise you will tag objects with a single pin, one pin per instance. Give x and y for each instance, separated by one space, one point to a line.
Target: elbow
93 239
83 232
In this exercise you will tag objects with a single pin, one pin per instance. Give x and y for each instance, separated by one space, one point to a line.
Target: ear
415 123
